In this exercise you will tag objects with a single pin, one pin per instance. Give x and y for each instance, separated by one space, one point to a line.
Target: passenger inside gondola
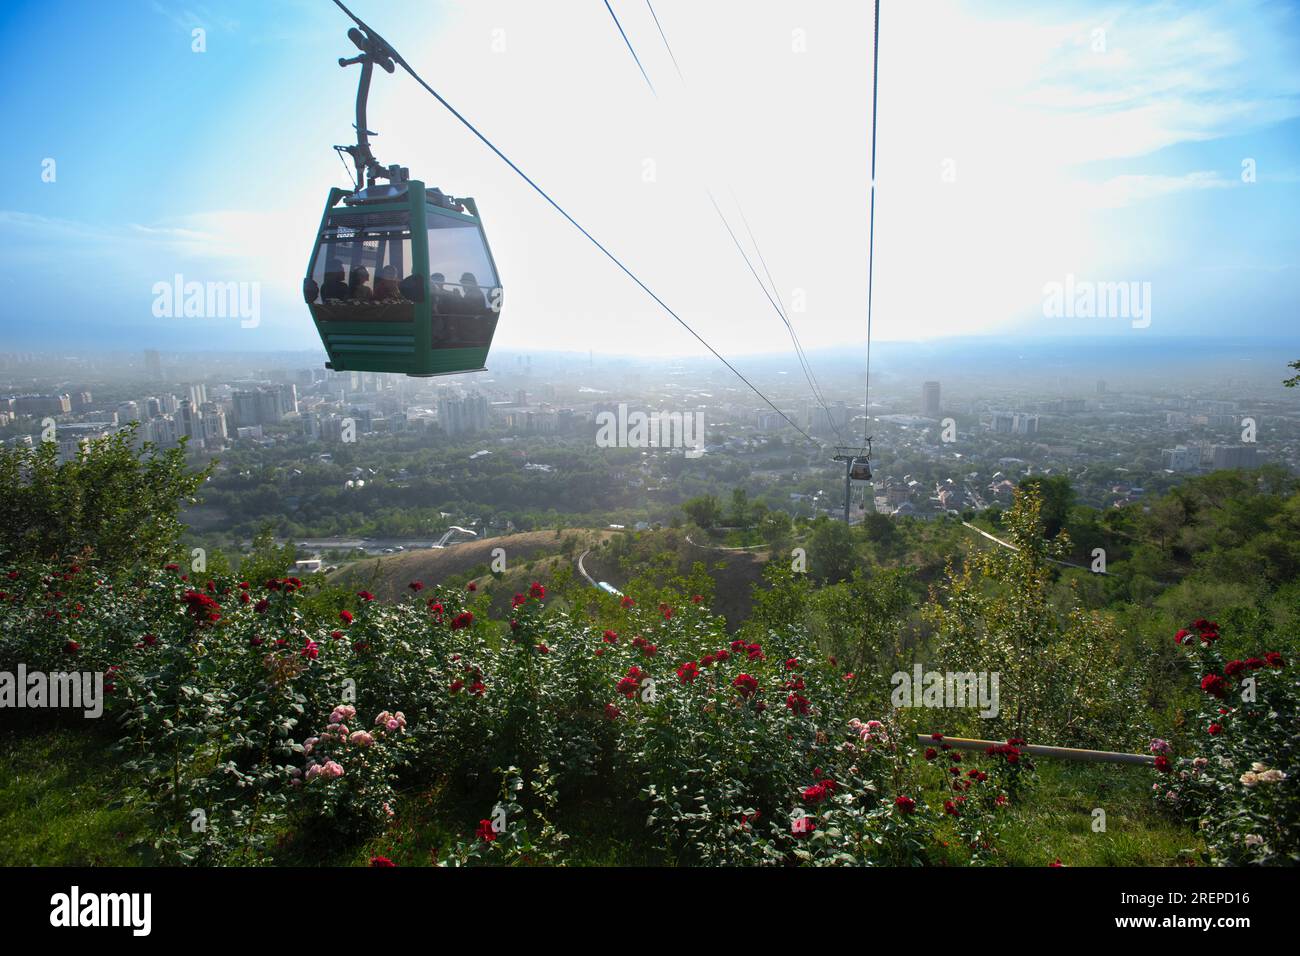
333 287
441 296
358 290
474 302
411 288
386 286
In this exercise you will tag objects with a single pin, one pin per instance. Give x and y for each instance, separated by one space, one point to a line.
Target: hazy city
953 445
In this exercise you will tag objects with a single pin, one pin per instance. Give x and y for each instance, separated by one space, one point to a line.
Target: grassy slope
57 790
388 576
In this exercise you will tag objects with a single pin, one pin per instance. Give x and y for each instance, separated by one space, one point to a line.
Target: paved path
1008 544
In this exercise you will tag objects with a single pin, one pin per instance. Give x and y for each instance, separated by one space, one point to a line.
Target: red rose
536 590
931 753
905 804
71 647
745 684
1214 730
345 617
1215 685
1274 659
1162 763
416 586
814 794
1233 668
485 831
381 861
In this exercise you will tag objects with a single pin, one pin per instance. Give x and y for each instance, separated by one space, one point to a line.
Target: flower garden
255 719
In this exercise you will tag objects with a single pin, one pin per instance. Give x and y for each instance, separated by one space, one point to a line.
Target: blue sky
1110 156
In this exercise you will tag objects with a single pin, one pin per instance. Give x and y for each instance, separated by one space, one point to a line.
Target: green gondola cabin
401 278
403 283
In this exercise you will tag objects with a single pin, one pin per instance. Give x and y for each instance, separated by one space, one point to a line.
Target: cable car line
629 47
871 240
781 314
667 45
798 346
775 296
561 210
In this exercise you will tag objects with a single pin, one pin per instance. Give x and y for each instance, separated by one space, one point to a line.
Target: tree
831 551
1060 679
705 511
1057 499
267 559
774 526
880 530
740 508
112 504
861 621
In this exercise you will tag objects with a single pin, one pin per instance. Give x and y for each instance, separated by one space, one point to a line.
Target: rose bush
248 717
1238 780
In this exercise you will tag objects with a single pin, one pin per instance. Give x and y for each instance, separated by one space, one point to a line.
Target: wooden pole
1038 750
